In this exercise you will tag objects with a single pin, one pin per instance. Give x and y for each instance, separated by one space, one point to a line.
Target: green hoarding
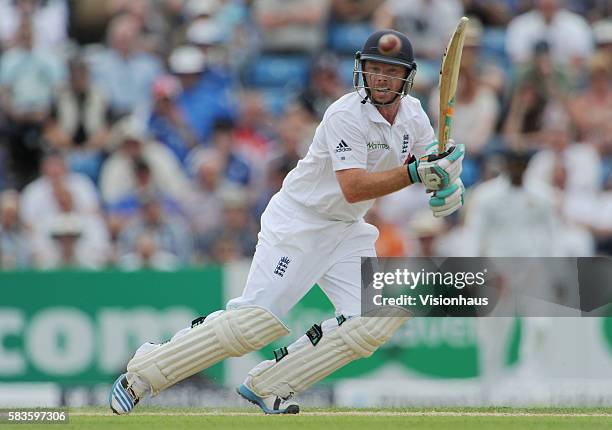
82 327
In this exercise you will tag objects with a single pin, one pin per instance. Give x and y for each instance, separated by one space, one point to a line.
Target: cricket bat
449 75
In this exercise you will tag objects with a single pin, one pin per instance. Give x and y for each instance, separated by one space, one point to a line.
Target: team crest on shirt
405 148
405 143
281 266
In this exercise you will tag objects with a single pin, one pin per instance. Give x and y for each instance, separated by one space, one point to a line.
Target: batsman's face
385 80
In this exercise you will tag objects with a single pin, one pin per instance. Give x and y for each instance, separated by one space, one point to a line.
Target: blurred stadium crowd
152 133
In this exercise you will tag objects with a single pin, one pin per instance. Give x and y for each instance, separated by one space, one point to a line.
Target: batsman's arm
359 185
435 171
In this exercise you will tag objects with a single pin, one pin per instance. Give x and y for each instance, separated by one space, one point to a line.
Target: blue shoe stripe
116 393
247 393
125 397
113 395
120 398
253 397
120 402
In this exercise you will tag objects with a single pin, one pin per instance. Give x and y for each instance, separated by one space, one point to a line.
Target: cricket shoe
129 388
269 404
122 398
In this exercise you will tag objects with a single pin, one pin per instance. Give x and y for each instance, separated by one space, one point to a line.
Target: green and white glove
447 200
438 171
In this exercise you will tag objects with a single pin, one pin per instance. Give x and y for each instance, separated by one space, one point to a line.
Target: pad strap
351 339
232 334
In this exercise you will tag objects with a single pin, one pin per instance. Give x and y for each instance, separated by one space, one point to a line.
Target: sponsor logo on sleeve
342 147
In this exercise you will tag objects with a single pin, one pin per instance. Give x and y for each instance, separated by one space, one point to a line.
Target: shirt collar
375 116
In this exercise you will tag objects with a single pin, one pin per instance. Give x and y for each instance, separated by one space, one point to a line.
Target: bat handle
441 146
445 129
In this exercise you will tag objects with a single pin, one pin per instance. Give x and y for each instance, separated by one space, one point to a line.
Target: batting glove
438 171
447 200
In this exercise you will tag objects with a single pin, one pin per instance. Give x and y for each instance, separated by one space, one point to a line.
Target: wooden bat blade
449 75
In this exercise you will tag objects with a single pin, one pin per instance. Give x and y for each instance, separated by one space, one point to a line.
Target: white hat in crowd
196 8
602 30
205 32
187 60
129 128
66 225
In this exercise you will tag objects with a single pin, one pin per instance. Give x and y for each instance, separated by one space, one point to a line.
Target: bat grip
441 146
445 129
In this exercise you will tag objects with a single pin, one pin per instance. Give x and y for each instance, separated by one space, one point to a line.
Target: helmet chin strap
393 101
368 96
368 91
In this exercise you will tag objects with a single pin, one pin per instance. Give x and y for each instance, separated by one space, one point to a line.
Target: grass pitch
150 418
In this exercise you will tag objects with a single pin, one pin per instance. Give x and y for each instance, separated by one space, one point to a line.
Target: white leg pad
357 337
232 334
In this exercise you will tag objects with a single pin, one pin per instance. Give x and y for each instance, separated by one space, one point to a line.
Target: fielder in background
371 142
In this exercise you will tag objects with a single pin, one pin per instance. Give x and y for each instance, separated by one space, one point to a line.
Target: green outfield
339 418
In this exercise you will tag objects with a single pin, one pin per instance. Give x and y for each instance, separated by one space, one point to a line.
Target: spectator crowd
152 133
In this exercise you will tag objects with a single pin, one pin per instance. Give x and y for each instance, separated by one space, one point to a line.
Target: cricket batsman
371 142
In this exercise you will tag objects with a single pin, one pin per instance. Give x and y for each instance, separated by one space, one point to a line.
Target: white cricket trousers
298 248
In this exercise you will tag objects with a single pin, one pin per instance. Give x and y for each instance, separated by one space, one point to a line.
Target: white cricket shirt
355 135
